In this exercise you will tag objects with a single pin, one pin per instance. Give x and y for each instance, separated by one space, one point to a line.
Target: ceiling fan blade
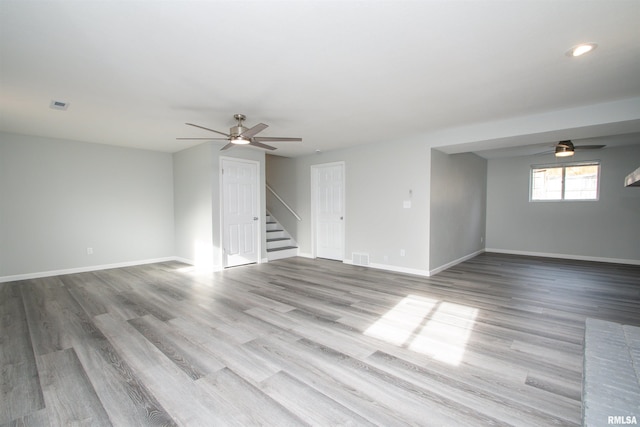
275 138
254 130
260 145
206 139
589 147
210 130
226 147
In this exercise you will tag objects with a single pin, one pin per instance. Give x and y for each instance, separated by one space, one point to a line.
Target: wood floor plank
412 401
244 363
68 393
42 300
502 402
20 391
302 341
307 403
172 387
187 356
33 419
119 389
240 403
327 381
123 393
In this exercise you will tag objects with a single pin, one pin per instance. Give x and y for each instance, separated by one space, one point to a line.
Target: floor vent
360 258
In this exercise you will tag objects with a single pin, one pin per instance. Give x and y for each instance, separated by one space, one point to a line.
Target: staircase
279 242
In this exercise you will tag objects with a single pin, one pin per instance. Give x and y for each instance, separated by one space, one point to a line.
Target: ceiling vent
58 105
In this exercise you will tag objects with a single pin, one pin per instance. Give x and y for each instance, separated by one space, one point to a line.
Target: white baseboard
305 255
398 269
565 256
184 260
454 262
85 269
394 268
416 271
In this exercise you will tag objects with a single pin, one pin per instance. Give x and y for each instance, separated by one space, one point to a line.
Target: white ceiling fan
241 135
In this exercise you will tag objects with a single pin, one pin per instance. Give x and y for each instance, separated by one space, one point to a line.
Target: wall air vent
58 105
360 258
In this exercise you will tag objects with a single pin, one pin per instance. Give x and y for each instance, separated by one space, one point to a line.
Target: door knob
255 218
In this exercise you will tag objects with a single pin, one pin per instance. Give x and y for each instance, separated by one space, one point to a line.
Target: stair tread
281 248
273 231
277 239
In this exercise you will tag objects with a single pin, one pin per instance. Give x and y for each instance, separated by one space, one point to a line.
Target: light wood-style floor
496 340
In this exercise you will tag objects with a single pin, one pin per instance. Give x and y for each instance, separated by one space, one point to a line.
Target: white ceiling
335 73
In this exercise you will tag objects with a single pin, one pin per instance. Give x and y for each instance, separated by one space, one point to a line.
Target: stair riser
279 244
275 234
287 253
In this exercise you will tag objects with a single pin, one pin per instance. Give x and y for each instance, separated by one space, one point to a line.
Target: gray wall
379 178
607 229
193 206
57 198
458 207
281 176
197 201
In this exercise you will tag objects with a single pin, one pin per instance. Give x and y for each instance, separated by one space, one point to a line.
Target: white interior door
240 204
329 210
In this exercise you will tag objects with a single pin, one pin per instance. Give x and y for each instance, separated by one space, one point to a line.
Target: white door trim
258 237
314 186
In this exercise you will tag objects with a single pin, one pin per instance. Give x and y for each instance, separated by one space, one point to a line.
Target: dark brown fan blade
276 138
248 134
260 145
210 130
589 147
206 139
226 147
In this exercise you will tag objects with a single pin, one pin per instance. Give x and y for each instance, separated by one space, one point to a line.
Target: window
565 182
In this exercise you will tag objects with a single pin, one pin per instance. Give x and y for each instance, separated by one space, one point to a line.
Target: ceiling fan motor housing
237 130
234 131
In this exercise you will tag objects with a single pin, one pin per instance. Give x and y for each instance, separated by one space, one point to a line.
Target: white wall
197 202
606 230
379 178
458 207
193 171
58 198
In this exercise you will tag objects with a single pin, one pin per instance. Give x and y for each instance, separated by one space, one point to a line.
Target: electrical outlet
385 258
402 252
89 251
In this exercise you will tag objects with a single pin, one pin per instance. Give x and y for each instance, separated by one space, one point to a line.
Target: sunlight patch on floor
428 326
399 323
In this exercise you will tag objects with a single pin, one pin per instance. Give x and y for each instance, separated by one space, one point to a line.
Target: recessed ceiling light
58 105
581 49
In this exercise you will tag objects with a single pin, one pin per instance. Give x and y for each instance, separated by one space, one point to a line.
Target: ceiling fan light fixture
581 49
565 149
240 140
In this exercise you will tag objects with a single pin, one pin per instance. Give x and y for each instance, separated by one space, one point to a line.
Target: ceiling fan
567 149
241 135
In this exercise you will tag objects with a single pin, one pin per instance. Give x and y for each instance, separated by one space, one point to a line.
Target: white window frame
564 167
